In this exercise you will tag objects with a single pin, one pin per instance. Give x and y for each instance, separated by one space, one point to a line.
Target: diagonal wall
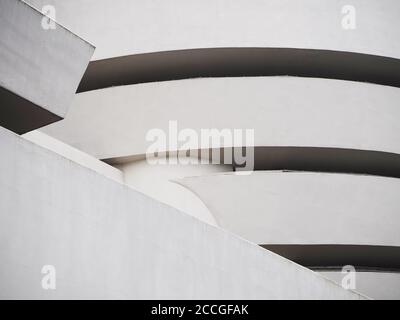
108 241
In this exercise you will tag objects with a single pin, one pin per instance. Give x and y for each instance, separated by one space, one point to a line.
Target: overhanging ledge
40 68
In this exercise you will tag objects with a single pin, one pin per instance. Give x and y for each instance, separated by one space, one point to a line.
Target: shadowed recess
20 115
335 256
240 62
335 160
313 159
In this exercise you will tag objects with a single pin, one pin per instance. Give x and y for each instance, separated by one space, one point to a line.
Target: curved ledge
334 257
154 180
303 208
317 113
312 159
240 62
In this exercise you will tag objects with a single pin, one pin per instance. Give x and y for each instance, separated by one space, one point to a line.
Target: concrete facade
155 26
343 114
108 241
316 84
155 181
40 69
303 207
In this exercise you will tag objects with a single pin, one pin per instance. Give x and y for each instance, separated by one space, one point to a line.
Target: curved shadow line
335 256
240 62
326 159
312 159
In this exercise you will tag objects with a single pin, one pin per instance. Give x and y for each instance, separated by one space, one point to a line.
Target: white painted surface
283 111
74 155
123 27
154 180
275 207
107 241
377 285
42 66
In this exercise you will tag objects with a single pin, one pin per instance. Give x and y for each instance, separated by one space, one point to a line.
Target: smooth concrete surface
283 111
39 69
125 27
377 285
107 241
74 155
303 208
155 181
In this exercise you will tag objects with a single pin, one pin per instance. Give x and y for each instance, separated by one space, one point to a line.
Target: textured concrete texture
108 241
316 113
40 69
273 207
149 26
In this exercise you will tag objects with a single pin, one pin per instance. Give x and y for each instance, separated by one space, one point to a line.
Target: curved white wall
273 207
68 207
155 181
126 27
283 111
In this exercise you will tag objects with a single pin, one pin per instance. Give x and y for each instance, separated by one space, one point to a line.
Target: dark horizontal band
240 62
334 160
335 256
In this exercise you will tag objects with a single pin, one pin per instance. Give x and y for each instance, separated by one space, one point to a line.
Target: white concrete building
106 178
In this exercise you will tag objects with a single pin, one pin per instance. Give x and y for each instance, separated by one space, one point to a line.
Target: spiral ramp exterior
323 187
